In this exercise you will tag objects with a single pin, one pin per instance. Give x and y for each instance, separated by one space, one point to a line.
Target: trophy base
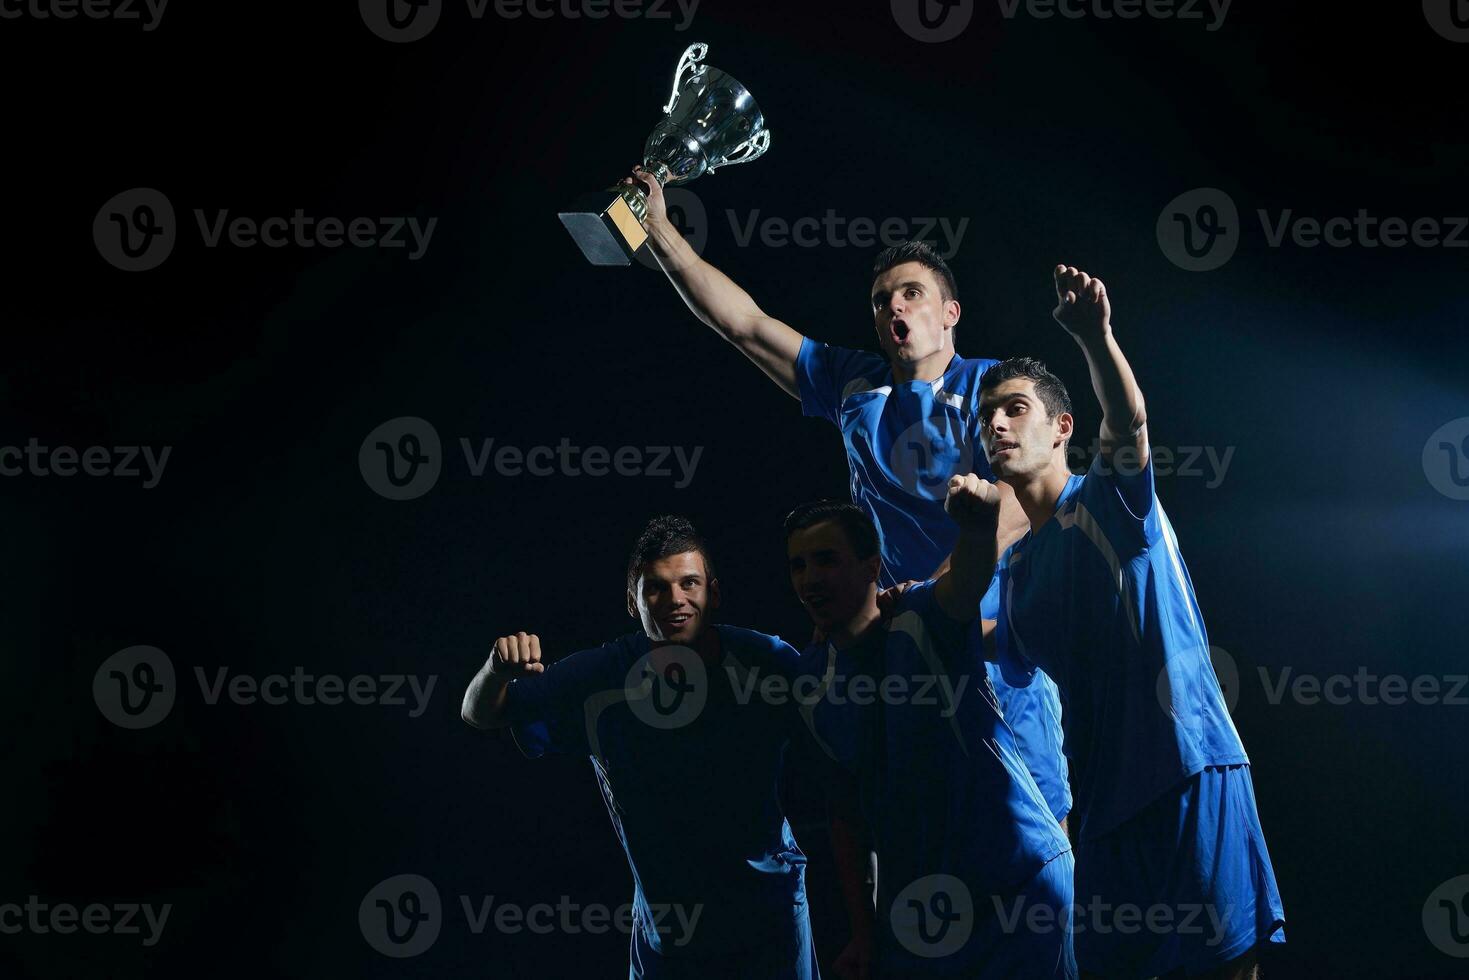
607 232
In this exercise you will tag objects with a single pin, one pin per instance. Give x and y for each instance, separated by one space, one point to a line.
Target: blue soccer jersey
688 762
903 442
958 824
1100 599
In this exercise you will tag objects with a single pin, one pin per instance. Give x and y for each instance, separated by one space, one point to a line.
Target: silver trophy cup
710 121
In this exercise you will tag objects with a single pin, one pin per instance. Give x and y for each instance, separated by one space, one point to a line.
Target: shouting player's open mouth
1001 447
900 332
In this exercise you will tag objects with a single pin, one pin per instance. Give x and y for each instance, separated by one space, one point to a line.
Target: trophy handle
751 149
693 54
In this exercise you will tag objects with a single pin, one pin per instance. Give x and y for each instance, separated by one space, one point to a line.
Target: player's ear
713 594
872 568
632 605
951 313
1064 425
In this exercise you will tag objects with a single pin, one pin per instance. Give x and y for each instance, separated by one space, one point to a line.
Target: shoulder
961 383
755 645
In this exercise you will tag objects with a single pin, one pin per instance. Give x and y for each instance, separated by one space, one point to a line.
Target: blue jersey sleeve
951 638
1121 498
549 712
824 372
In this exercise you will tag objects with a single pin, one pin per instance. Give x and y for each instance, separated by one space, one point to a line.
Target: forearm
712 296
485 700
1123 411
971 567
849 853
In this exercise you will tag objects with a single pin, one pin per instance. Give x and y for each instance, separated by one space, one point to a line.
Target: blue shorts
1025 932
1185 883
790 956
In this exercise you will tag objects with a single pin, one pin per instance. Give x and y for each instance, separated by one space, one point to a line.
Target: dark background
1325 548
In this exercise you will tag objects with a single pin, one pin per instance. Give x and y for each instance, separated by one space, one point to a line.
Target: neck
1037 495
929 368
706 645
858 626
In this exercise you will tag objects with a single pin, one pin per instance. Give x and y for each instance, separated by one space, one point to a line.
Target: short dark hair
861 532
663 536
1048 388
924 254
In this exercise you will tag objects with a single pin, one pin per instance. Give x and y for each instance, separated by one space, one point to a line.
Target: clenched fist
517 655
657 208
973 502
1082 306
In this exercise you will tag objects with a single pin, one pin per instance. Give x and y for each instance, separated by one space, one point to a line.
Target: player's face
675 598
830 580
1018 438
909 313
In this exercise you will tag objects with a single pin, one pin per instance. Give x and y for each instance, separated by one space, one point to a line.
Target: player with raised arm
687 768
1097 595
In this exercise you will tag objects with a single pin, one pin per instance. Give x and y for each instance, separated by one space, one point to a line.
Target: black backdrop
1324 549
